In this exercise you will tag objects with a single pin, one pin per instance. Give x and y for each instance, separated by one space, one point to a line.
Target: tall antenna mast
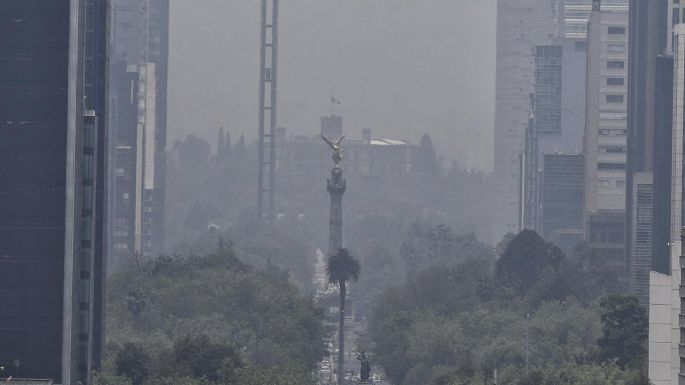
268 109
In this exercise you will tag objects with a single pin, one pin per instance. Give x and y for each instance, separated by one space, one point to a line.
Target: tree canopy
210 319
458 321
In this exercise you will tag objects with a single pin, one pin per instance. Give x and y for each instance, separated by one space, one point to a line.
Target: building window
676 16
611 166
613 115
614 150
614 98
603 183
615 81
617 30
616 64
616 48
613 131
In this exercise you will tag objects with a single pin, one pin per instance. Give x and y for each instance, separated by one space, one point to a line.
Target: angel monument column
336 188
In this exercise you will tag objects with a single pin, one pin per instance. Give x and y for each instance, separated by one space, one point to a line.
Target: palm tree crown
342 267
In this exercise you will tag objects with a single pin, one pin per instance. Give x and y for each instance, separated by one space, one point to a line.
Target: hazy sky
400 67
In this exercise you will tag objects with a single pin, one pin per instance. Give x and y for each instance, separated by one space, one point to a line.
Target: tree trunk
341 335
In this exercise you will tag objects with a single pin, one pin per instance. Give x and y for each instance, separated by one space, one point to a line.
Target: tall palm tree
341 268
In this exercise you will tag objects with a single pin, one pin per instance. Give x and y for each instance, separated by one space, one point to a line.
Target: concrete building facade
605 136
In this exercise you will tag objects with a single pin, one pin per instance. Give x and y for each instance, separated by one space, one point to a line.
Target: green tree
224 300
108 378
525 259
193 152
586 374
176 380
273 376
624 331
132 362
221 145
342 267
427 160
240 148
199 357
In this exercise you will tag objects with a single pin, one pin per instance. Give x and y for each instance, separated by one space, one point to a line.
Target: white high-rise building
606 112
521 25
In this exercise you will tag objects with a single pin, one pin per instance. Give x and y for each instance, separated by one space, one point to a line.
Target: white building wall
660 310
606 112
677 192
676 251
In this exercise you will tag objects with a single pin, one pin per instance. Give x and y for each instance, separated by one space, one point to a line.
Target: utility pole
527 343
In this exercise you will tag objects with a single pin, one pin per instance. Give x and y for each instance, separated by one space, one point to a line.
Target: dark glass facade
34 76
663 130
52 186
548 78
563 198
648 39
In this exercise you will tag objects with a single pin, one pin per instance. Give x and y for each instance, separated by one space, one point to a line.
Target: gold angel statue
335 146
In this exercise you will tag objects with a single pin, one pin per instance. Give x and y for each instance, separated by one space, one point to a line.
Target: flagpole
334 101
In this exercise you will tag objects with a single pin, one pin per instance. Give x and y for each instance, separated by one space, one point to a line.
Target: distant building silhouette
301 155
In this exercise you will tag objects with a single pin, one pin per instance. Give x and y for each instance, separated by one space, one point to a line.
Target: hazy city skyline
410 74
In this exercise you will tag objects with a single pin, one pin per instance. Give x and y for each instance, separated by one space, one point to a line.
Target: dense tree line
209 320
531 315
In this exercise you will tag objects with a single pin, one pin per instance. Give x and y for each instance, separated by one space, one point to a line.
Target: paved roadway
353 328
